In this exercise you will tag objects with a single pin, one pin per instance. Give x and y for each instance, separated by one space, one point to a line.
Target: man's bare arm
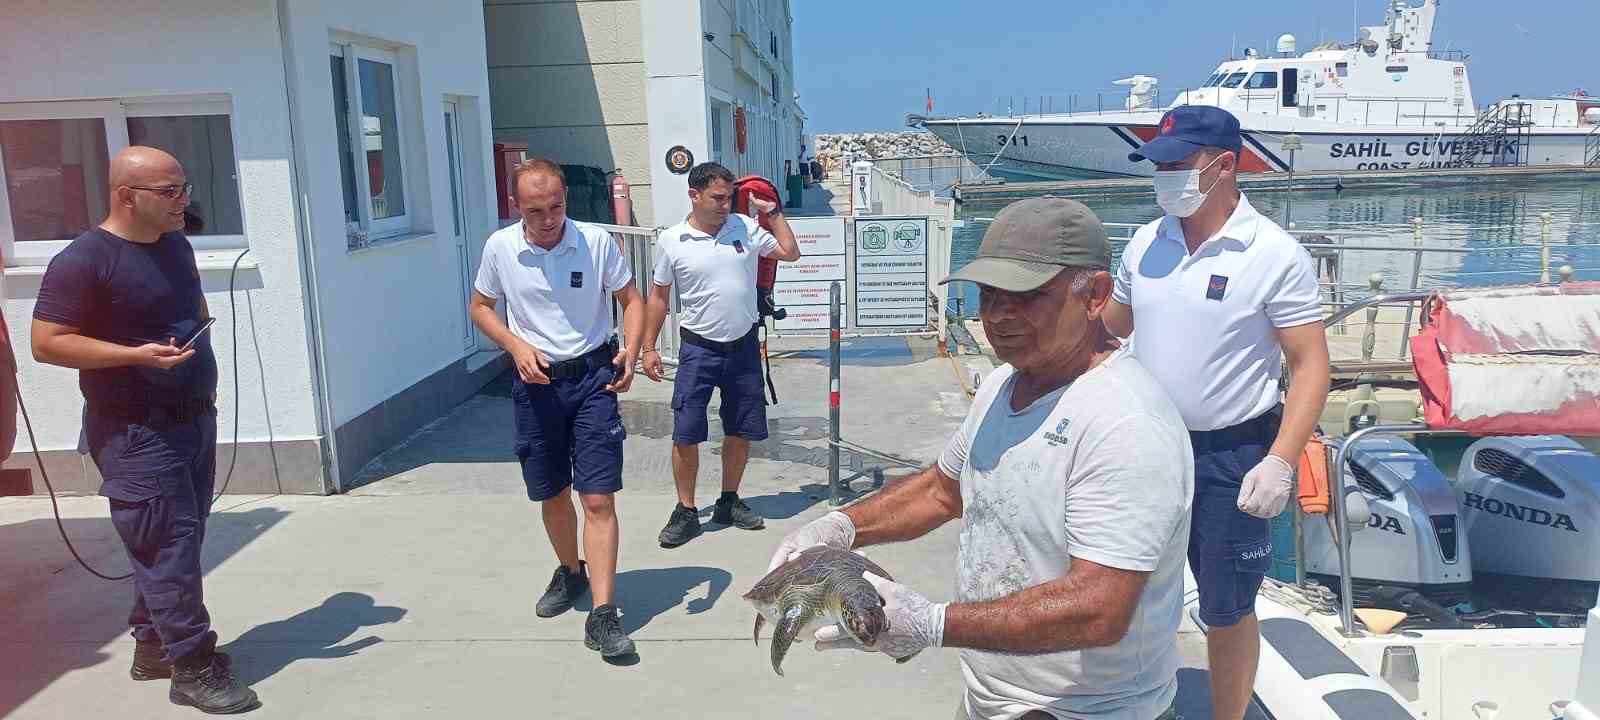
655 313
1091 607
1306 349
57 344
907 509
788 248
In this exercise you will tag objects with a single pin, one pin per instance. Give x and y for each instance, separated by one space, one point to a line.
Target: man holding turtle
1072 477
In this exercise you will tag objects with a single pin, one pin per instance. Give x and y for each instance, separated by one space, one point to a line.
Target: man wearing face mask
1217 291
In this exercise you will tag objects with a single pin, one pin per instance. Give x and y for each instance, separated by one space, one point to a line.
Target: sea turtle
822 582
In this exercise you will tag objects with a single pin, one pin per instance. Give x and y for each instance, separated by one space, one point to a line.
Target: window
55 176
55 159
367 115
1263 81
716 132
1234 80
1214 80
204 145
1341 69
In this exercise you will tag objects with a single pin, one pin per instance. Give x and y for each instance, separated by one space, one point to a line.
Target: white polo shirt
715 275
1204 324
557 300
1100 471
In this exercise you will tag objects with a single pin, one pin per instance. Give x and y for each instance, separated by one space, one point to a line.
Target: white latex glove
834 530
914 623
1266 488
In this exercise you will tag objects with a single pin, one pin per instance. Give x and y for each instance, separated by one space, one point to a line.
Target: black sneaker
147 662
603 632
564 589
208 684
682 527
733 511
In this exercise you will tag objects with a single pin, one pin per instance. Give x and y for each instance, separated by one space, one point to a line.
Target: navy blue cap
1187 128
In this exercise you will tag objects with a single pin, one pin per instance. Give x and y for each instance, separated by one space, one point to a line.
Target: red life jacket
766 268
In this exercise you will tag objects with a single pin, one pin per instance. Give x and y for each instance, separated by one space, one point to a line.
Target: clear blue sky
863 64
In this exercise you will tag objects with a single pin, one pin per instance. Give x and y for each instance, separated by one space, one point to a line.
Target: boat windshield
1234 80
1213 80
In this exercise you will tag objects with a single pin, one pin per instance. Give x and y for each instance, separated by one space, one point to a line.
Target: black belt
580 365
693 338
183 411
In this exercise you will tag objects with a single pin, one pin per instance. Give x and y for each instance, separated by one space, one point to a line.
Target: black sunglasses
170 192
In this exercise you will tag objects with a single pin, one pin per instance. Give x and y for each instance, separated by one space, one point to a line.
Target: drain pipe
308 265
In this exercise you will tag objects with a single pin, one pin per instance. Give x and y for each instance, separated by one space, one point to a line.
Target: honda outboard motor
1411 546
1530 507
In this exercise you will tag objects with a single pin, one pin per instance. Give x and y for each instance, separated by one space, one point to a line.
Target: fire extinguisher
766 268
621 198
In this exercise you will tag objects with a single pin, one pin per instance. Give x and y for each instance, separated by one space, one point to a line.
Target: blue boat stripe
1124 136
1264 151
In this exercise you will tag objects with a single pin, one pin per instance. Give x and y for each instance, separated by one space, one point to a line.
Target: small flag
930 99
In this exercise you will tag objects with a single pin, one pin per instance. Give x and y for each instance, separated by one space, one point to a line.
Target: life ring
739 134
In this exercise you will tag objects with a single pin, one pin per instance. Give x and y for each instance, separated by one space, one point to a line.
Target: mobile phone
188 343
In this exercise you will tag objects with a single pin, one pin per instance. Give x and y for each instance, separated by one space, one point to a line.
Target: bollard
1566 272
835 495
1544 248
1369 339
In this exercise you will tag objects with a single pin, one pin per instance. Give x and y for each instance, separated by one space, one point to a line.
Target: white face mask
1178 191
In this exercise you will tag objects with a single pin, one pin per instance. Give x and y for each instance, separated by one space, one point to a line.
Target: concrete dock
995 192
412 596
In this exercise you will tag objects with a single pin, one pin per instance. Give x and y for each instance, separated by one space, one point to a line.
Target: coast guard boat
1388 102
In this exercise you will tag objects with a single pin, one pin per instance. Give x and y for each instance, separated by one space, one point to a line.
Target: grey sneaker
564 589
733 511
603 632
682 527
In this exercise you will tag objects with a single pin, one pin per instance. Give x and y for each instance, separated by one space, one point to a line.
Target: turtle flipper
792 616
755 635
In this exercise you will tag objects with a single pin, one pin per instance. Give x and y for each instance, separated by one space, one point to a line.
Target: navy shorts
569 433
1230 550
737 374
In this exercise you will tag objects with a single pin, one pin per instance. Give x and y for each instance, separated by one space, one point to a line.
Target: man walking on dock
1216 292
558 277
711 256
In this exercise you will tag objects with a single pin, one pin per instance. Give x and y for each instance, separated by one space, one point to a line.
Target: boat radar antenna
1142 96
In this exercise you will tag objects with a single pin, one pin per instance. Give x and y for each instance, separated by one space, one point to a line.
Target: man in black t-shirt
117 305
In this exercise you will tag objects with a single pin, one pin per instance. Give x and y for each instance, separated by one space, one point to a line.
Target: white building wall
392 316
568 78
694 86
391 313
85 49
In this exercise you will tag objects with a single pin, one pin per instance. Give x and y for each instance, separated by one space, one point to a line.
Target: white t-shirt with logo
1205 323
715 275
1102 471
557 300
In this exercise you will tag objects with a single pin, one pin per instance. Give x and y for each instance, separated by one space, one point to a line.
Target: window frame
114 115
376 229
1270 75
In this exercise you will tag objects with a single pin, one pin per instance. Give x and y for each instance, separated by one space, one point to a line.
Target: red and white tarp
1519 360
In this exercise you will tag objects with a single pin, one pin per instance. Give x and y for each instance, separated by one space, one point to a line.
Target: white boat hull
1074 147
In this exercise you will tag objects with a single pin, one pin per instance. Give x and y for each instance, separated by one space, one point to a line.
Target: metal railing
936 173
638 245
1591 147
